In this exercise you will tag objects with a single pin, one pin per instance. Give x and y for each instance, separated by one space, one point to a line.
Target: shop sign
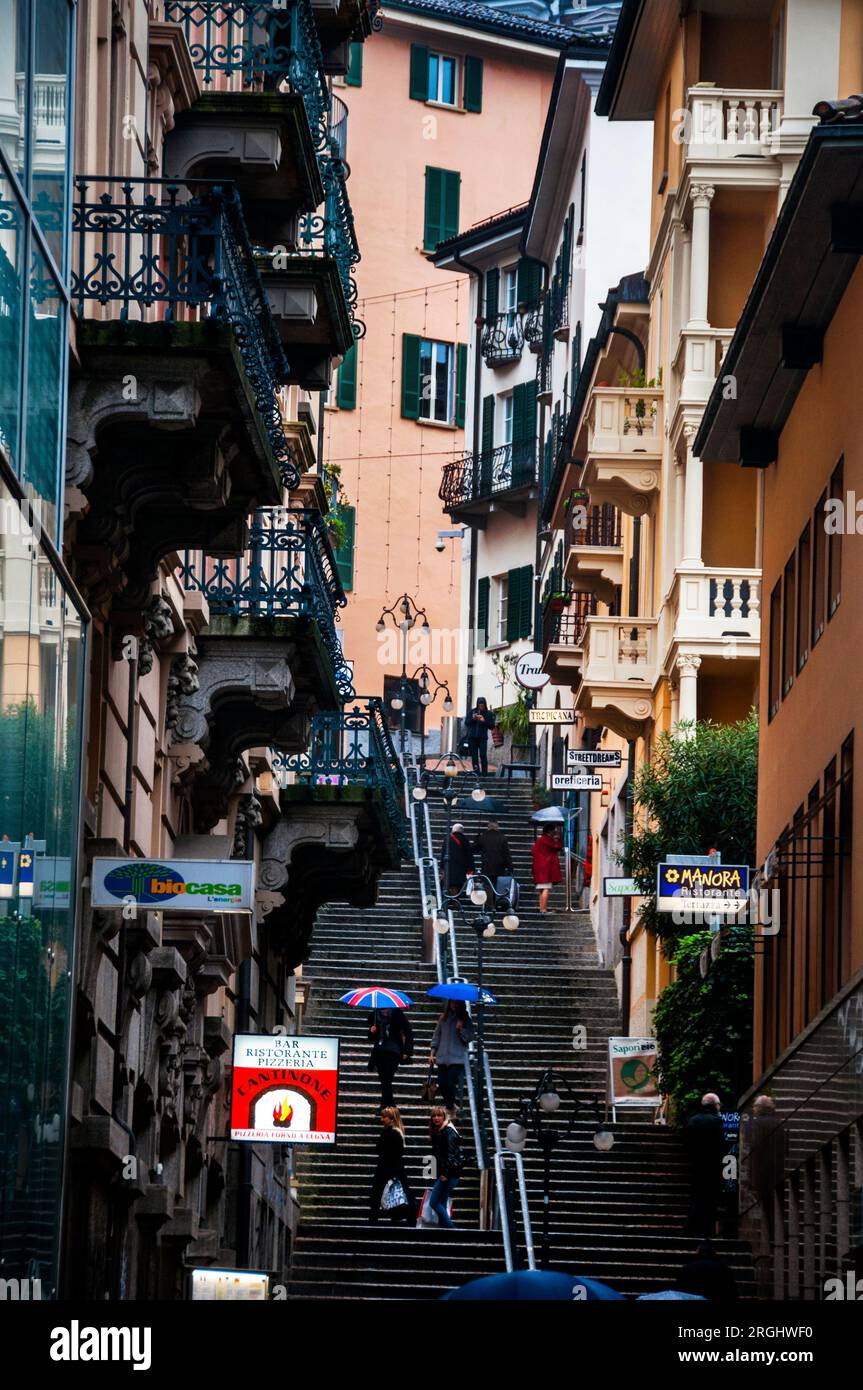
551 716
593 757
284 1089
175 885
701 887
632 1072
230 1285
576 782
529 672
620 888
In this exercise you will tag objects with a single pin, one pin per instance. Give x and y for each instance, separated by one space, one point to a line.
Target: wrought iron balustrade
179 252
330 231
289 570
338 128
266 44
476 477
563 622
559 302
603 527
352 746
502 338
533 326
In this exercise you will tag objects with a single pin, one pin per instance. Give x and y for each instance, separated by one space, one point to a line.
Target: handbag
429 1087
427 1217
507 887
394 1196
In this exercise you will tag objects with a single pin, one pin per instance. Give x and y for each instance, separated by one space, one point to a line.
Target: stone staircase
614 1216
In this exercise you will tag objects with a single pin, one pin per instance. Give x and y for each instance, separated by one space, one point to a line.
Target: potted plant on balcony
639 414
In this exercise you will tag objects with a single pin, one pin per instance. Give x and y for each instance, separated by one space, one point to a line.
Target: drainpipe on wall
626 959
477 379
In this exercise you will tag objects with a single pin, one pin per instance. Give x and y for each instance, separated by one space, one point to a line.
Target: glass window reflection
48 124
11 273
44 385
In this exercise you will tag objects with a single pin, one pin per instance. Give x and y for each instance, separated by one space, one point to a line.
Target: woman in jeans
449 1050
448 1164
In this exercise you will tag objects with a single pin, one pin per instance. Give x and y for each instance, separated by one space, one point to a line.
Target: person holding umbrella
448 1051
545 855
391 1037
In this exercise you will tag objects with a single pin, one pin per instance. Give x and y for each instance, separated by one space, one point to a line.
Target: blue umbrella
668 1295
536 1284
376 997
456 989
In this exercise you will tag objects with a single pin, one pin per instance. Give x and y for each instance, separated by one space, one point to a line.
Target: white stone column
685 274
692 503
675 703
679 498
687 667
699 269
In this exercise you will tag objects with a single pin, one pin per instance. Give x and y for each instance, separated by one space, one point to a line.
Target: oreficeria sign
175 885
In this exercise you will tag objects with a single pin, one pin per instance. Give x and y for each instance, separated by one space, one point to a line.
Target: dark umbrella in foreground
462 989
537 1285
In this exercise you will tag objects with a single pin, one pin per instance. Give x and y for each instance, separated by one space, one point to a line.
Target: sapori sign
529 672
284 1090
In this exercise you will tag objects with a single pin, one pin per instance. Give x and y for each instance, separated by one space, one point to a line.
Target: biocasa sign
176 885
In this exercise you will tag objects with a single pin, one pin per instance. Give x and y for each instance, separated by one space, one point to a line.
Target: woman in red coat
546 863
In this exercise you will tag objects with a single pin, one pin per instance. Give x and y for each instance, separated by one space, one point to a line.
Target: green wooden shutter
460 383
529 281
576 356
419 84
433 210
344 555
482 605
411 376
487 443
472 84
513 605
451 188
518 414
354 74
525 613
492 289
346 392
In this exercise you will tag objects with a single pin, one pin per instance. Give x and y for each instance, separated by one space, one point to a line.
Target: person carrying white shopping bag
449 1164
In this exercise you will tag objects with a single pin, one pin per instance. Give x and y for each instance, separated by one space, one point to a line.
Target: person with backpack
448 1050
392 1041
390 1145
449 1164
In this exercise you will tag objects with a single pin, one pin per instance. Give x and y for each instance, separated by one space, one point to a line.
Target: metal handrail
500 1154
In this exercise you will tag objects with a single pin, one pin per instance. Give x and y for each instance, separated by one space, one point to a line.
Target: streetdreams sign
284 1089
175 885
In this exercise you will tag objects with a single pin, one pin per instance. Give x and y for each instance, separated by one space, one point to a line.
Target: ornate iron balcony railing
603 526
331 232
533 326
563 622
475 477
338 127
145 244
502 338
352 746
289 570
267 44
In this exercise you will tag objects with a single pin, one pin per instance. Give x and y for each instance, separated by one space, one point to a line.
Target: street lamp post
404 614
533 1110
423 674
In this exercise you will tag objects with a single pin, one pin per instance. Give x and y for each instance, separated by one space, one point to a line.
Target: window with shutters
501 585
519 604
344 553
444 79
508 404
441 205
434 380
354 74
483 596
346 391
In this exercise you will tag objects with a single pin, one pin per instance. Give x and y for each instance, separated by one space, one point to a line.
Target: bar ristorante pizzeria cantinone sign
284 1089
175 885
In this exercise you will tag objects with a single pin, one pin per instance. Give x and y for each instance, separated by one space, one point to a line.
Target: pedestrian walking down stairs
617 1216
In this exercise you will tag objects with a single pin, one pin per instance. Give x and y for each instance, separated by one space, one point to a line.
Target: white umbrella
549 813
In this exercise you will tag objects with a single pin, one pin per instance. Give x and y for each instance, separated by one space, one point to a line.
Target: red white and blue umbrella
376 997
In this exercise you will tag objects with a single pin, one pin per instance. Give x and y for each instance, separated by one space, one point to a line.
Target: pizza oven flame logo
282 1114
